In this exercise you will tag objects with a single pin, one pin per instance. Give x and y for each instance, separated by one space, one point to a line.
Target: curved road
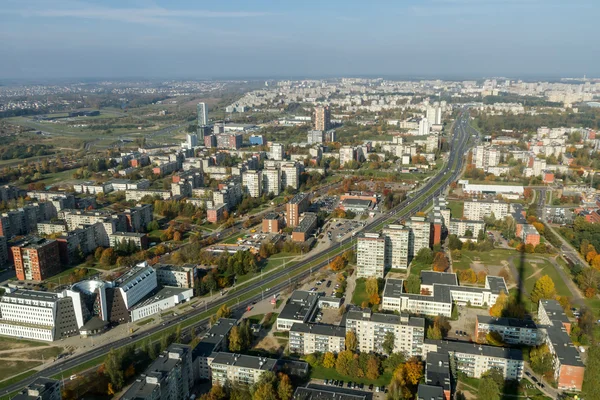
420 199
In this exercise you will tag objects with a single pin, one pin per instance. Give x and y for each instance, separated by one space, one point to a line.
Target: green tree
388 343
434 333
343 364
113 368
488 390
235 340
591 377
329 360
412 284
540 360
424 256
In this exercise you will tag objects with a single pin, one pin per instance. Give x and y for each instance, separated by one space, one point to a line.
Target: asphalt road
458 148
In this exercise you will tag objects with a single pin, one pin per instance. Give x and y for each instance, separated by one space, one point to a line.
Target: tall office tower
277 151
191 140
322 118
420 234
396 246
434 115
438 115
370 256
202 119
252 182
271 180
424 127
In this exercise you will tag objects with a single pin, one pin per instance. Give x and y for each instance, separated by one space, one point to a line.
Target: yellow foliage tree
498 307
543 289
329 360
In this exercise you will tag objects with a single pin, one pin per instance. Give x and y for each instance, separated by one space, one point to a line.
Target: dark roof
367 315
319 329
496 284
299 305
474 348
562 344
437 371
298 198
307 222
554 310
393 287
213 337
443 278
244 361
356 202
271 215
511 322
321 392
40 385
429 392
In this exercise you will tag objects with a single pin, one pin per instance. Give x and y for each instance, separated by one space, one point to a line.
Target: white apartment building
370 256
486 156
397 245
175 275
252 183
459 227
271 181
420 234
231 369
475 359
371 329
424 126
139 194
312 338
290 175
513 331
277 152
347 153
477 210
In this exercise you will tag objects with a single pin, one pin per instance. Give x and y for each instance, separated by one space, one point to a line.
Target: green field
360 292
544 267
456 208
9 343
494 257
10 368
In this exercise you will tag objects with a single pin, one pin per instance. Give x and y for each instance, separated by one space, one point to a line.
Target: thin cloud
154 15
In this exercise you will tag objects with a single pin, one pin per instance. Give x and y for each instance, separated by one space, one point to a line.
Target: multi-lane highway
280 280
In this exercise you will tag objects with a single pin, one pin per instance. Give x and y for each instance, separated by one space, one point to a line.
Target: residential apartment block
36 259
477 210
475 359
296 206
252 182
175 275
397 238
512 330
214 341
371 328
231 368
170 376
459 227
40 389
299 308
420 234
370 255
312 338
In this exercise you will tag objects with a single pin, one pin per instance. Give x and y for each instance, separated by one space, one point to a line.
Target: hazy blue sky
213 39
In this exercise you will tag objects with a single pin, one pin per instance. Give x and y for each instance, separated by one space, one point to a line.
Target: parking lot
324 203
339 229
464 327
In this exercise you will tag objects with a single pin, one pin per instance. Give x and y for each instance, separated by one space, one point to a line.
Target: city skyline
441 38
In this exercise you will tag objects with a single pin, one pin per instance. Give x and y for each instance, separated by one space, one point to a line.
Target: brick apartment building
36 259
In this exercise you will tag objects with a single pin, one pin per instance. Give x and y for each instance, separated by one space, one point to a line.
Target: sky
202 39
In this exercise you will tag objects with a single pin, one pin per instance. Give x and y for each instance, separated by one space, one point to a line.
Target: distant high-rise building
420 234
370 256
252 182
202 119
290 175
36 259
191 140
434 115
277 151
424 127
271 180
396 249
322 118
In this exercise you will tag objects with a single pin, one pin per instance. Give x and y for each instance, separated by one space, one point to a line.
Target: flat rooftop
33 295
244 361
321 392
393 319
307 222
298 198
213 337
510 322
564 348
299 305
442 278
476 349
319 329
554 310
161 294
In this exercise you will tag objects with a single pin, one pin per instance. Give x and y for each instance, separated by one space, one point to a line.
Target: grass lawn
531 276
275 261
45 353
62 278
144 322
320 372
268 324
7 343
416 268
9 368
154 236
256 319
456 208
493 257
234 239
360 292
